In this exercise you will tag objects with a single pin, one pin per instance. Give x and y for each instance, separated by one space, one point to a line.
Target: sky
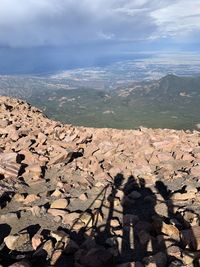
84 29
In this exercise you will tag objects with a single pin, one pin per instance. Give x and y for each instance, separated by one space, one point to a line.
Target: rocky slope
75 196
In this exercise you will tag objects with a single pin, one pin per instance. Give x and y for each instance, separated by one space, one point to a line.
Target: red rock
23 143
188 157
83 197
42 138
105 146
195 171
33 173
9 168
140 170
164 156
48 247
166 145
55 256
36 241
61 157
3 123
12 133
29 157
8 157
171 231
174 251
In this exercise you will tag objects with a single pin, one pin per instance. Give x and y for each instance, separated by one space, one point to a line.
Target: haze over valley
154 92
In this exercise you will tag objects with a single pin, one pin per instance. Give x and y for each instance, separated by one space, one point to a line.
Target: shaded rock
191 237
56 256
157 260
171 231
175 251
21 264
71 247
167 229
134 195
98 257
48 246
130 264
130 219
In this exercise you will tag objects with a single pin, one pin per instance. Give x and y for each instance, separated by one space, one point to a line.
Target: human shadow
139 233
135 227
132 232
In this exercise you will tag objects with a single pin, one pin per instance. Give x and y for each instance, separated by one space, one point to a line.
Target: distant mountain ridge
170 102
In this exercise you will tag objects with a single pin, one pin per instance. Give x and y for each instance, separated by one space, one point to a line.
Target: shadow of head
118 180
142 182
162 189
32 229
5 230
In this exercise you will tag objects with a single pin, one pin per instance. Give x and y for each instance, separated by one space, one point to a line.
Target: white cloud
105 36
62 22
180 18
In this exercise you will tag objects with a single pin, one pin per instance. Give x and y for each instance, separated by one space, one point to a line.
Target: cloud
69 22
181 18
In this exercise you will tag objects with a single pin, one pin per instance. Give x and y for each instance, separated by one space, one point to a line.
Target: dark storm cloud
68 22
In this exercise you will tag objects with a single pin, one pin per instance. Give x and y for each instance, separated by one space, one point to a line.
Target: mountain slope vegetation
171 102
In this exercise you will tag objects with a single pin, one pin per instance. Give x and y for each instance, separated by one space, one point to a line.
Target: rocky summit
86 197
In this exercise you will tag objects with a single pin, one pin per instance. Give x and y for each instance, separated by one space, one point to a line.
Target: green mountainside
171 102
